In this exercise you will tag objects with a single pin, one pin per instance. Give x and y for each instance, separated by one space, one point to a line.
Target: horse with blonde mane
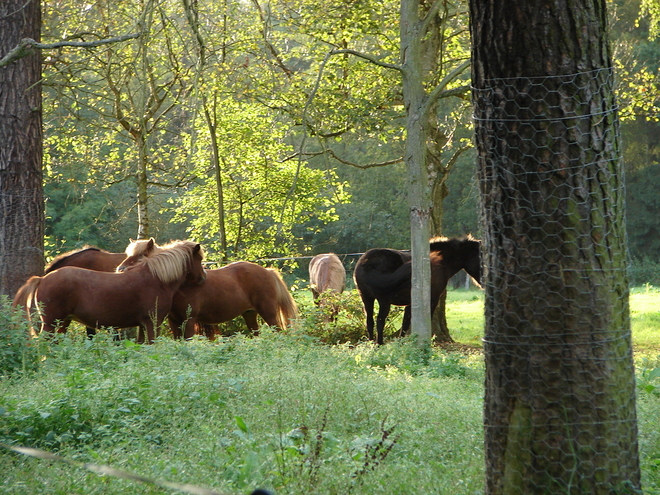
326 274
238 289
138 296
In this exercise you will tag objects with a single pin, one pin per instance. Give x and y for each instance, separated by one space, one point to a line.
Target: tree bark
21 139
419 191
559 406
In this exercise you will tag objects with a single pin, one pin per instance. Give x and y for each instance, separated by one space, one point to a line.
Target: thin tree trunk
559 408
142 195
21 140
215 159
415 158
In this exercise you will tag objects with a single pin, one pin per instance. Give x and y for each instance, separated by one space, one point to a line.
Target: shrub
349 326
18 352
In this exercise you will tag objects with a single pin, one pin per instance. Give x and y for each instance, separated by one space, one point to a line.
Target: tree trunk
419 191
141 181
559 406
215 160
21 189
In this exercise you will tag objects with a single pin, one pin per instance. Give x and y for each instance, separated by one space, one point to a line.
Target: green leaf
241 424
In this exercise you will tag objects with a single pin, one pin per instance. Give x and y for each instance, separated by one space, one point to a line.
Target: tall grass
284 411
279 411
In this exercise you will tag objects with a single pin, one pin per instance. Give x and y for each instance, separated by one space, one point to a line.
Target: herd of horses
149 283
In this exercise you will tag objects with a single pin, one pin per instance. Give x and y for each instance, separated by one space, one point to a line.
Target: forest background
226 123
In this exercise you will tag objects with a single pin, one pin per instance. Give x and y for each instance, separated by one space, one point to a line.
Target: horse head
170 262
136 251
472 258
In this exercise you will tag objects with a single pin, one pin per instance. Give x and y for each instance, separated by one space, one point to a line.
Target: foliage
645 271
278 411
258 67
348 327
265 195
18 352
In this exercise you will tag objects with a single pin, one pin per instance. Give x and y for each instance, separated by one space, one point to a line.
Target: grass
280 411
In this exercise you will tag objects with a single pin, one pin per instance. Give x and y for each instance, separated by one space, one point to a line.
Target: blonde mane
170 262
141 246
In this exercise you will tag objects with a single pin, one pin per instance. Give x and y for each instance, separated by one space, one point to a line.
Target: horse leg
250 318
189 328
210 331
369 311
90 332
383 311
175 327
405 324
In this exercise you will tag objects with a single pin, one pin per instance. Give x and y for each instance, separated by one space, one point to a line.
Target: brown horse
238 289
385 275
139 296
326 273
91 258
88 257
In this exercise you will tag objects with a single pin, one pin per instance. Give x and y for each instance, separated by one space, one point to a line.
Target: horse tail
25 295
287 309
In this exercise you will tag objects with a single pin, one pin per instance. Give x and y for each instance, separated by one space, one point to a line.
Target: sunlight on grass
645 319
465 316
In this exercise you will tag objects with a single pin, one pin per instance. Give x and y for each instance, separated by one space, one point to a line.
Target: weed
19 352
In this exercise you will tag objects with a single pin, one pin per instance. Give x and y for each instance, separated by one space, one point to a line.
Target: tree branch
439 90
371 59
26 46
345 162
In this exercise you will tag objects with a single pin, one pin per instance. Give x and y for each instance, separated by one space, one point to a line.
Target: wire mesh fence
560 402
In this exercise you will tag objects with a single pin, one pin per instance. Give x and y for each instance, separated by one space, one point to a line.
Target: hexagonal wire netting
555 256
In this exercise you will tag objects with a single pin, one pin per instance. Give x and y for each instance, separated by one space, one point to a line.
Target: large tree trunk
21 189
560 399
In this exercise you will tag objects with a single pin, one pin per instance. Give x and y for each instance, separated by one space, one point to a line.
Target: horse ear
130 240
150 244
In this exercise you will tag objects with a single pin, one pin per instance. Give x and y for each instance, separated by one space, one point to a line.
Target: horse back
383 272
90 258
97 298
326 271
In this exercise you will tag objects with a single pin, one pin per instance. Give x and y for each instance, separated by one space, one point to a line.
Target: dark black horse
384 275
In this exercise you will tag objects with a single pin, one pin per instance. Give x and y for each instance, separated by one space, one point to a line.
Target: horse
326 273
237 289
384 275
140 295
88 257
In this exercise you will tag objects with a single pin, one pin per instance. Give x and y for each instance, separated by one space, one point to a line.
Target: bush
18 351
350 324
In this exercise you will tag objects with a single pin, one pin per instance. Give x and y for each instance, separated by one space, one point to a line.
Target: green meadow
296 412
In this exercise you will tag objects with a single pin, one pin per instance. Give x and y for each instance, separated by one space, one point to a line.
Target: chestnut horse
139 296
88 257
385 275
326 273
238 289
